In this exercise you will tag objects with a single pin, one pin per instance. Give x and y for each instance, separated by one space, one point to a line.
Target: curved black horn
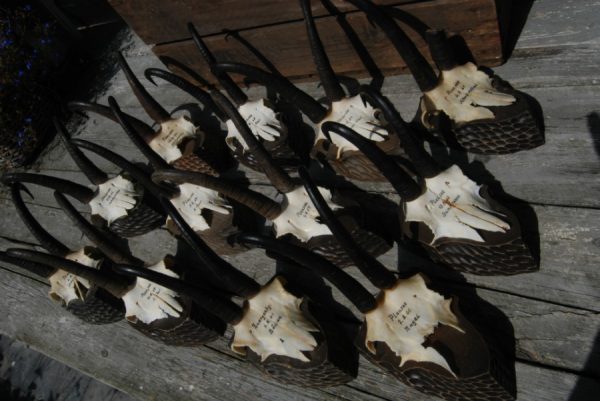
94 234
194 91
173 64
416 63
91 171
39 269
423 162
208 300
234 91
441 52
280 179
400 180
77 191
374 271
255 52
109 281
332 87
150 105
258 202
46 240
351 288
292 95
233 279
156 161
140 127
136 172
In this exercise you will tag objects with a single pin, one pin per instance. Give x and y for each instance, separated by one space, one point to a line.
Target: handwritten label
148 301
262 121
273 324
357 114
193 199
114 198
463 93
66 287
452 208
299 216
405 316
171 134
268 321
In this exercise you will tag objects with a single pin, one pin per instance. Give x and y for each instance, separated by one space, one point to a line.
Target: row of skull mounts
410 329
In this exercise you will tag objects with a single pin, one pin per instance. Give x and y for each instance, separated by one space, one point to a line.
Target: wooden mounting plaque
277 30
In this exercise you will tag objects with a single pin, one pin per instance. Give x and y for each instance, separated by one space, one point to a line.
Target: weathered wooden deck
555 313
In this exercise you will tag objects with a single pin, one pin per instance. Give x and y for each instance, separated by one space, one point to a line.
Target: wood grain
145 369
287 47
159 21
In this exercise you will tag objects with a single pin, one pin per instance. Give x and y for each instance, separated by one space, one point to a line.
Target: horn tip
148 74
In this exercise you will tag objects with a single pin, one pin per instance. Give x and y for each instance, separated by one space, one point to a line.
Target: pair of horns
91 171
202 96
278 83
375 272
400 180
100 239
205 298
424 164
150 105
280 179
46 240
416 63
81 193
238 96
104 279
39 269
332 87
351 288
232 279
441 52
258 202
154 159
136 172
139 126
54 246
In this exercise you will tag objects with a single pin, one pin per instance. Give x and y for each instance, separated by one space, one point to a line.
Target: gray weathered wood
568 236
572 329
34 376
117 354
550 174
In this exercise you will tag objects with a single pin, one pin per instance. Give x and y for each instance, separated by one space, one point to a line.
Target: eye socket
430 118
414 377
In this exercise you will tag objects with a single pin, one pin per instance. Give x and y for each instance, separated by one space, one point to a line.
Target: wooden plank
159 22
568 237
560 23
551 174
34 376
118 356
549 23
286 46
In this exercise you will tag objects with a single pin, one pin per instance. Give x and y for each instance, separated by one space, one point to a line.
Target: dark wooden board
158 21
286 45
